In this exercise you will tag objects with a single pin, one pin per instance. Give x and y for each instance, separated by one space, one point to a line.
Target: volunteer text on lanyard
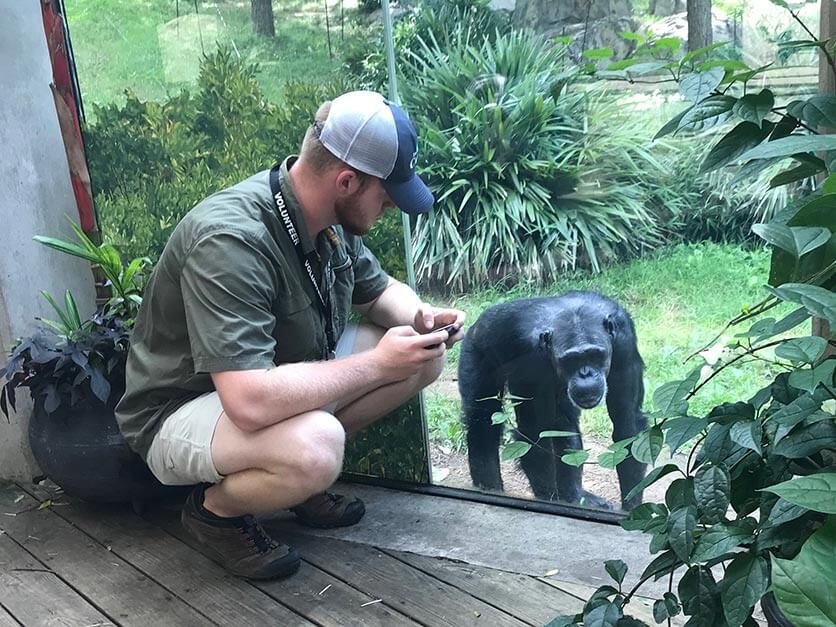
324 300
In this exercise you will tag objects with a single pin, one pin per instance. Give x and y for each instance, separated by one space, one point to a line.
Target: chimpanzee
564 353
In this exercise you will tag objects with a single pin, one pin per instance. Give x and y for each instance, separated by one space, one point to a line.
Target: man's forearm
397 305
270 396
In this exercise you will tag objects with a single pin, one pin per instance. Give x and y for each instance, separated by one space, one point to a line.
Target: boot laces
257 537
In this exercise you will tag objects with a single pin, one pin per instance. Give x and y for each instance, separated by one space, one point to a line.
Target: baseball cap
375 136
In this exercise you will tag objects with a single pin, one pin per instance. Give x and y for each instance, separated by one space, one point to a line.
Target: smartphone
450 328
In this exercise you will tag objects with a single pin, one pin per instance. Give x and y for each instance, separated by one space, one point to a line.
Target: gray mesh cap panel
360 130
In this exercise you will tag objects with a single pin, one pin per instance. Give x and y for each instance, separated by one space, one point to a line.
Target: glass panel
183 99
540 148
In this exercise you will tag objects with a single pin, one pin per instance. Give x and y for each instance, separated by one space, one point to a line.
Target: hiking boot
238 544
326 510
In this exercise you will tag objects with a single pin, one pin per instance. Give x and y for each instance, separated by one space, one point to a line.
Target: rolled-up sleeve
369 278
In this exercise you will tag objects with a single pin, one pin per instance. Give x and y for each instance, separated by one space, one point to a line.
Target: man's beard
349 216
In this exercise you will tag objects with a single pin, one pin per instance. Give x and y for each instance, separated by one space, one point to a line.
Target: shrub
151 162
526 183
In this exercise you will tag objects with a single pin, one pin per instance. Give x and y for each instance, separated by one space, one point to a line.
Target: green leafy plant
70 361
151 162
752 509
510 149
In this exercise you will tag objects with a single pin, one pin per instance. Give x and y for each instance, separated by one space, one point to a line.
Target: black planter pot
82 450
774 616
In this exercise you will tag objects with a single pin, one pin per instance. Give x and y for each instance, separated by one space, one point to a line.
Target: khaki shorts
181 452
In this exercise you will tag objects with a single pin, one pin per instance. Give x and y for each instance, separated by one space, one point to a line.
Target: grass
680 299
144 46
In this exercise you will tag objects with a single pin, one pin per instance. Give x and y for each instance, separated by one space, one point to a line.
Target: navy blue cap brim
412 196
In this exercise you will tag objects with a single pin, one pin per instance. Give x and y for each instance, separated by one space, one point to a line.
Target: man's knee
430 371
318 456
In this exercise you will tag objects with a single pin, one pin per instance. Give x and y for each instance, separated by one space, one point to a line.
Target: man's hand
402 351
429 318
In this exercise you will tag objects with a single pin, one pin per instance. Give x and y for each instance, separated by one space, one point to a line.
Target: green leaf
697 590
737 141
575 458
682 523
672 124
804 586
661 565
801 408
499 418
66 327
783 511
727 413
829 185
701 51
611 458
745 582
604 615
798 173
747 434
558 434
598 53
646 517
796 240
679 431
816 111
789 146
708 113
718 540
652 477
808 439
514 450
680 493
819 301
648 444
67 248
815 492
754 107
808 379
802 350
695 87
666 607
668 399
616 569
711 489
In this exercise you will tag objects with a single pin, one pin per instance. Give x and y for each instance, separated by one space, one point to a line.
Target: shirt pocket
298 328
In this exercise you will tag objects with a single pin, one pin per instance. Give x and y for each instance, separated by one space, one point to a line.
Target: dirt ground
450 467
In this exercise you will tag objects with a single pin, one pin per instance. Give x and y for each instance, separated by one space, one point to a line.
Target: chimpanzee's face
581 354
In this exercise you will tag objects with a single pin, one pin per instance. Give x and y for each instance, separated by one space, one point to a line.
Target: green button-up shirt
229 292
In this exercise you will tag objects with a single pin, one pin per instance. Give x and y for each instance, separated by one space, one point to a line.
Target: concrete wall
35 199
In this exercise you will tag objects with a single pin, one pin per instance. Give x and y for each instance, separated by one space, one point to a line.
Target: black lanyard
305 260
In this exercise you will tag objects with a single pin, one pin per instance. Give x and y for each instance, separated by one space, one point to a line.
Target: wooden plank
314 593
115 587
6 619
525 597
416 594
34 595
222 598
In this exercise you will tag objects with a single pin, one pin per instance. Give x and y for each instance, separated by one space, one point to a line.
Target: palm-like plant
521 186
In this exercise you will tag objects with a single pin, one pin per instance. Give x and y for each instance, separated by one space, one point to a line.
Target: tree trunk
699 24
664 8
262 15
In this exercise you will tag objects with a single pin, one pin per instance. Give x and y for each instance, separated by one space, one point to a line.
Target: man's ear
347 182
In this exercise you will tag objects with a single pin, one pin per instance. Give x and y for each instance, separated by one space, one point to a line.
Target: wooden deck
68 563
